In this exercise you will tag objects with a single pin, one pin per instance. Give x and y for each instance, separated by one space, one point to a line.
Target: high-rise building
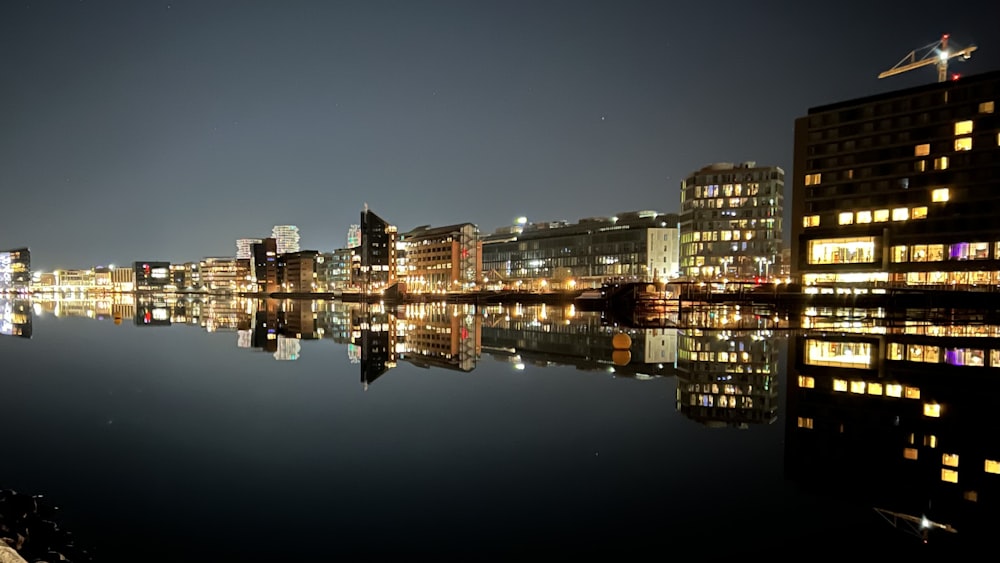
287 237
244 247
900 187
354 236
15 270
731 221
265 265
377 264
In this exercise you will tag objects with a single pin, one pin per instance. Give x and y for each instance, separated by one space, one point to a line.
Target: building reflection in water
902 420
15 317
373 331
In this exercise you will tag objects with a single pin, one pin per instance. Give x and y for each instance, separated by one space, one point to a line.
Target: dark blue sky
142 130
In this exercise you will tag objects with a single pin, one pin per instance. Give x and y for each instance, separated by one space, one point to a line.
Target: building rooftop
963 81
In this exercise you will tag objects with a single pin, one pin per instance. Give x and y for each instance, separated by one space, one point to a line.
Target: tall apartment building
637 245
442 258
901 187
376 268
244 247
730 218
15 270
265 265
300 271
287 237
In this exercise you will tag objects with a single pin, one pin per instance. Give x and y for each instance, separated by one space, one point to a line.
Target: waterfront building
354 236
244 247
300 271
102 278
265 265
333 269
122 280
633 246
374 338
287 237
151 276
74 280
225 274
441 335
900 187
15 270
377 266
184 276
442 258
731 221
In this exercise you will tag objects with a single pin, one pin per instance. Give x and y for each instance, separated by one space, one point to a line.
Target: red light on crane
955 76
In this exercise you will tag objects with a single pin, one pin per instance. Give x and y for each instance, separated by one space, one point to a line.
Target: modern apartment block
442 258
287 237
637 246
244 247
731 221
901 187
376 268
15 270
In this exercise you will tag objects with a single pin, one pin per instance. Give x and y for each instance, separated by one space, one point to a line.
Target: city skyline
164 132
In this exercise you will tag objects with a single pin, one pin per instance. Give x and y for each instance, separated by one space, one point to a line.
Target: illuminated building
728 377
185 276
731 221
244 247
74 280
123 279
102 278
442 258
287 348
354 236
442 335
376 268
299 271
225 274
151 276
287 237
635 246
333 269
373 330
152 312
15 270
903 421
900 187
15 318
265 261
298 319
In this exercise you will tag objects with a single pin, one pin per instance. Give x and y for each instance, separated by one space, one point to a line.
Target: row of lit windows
935 354
938 195
838 354
951 460
942 252
727 190
854 250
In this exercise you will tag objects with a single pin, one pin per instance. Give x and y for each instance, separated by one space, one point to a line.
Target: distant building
636 245
440 337
244 247
287 237
149 275
15 270
300 271
185 276
377 264
442 258
900 187
225 274
265 261
122 280
354 236
730 220
333 269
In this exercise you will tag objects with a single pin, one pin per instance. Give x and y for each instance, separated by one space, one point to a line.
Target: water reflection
15 318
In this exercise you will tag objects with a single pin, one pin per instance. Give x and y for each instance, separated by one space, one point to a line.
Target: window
911 392
874 388
986 107
930 440
963 127
910 453
941 163
881 215
813 179
864 217
859 250
900 214
807 382
940 195
920 165
951 460
949 475
810 221
922 150
858 387
918 213
894 390
839 385
895 350
932 410
805 423
840 354
846 218
899 254
963 144
992 466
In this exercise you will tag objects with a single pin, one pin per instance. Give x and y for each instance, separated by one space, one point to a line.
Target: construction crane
936 53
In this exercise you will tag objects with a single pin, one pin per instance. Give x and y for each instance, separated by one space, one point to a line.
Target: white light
944 55
924 522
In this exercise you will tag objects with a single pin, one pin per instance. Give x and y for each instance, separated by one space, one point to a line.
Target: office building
333 269
244 247
265 262
287 237
632 246
730 218
376 268
15 270
442 258
150 276
300 271
900 187
225 274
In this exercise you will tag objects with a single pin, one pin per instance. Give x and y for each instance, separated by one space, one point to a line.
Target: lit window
918 213
911 392
805 422
992 466
941 163
846 218
874 388
881 215
940 194
910 453
920 165
858 387
895 348
930 440
963 127
807 382
813 179
900 214
986 107
839 385
922 150
951 460
949 475
963 144
864 217
894 390
932 410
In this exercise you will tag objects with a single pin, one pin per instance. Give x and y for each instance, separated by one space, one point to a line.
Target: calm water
227 430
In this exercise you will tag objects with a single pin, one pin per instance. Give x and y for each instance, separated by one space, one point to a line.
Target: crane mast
936 53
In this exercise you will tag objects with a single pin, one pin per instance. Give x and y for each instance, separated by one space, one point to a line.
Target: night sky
142 130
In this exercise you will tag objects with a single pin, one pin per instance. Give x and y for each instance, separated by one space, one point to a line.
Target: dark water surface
178 443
